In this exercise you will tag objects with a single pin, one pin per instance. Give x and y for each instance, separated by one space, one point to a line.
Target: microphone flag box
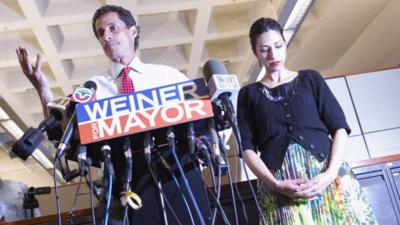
143 111
224 83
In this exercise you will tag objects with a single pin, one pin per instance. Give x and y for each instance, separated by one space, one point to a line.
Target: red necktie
126 82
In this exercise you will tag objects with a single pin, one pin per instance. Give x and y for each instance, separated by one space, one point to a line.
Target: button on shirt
144 76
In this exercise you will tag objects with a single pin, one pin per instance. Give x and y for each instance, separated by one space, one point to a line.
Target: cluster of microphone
60 125
223 89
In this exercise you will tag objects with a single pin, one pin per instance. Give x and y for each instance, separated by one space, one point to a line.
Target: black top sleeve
246 120
329 109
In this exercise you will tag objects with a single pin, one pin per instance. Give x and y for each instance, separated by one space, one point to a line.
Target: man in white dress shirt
118 35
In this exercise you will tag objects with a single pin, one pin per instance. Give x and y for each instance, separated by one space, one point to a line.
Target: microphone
30 140
129 164
82 158
58 109
224 89
85 93
127 197
219 82
80 95
61 109
219 161
106 153
190 137
203 149
69 130
147 144
27 144
91 85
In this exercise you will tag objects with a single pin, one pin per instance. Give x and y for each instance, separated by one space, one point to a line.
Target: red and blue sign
143 111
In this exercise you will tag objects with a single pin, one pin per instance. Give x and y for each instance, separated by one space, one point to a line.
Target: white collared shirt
144 76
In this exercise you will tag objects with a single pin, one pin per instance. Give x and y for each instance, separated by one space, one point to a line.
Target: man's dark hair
123 14
260 26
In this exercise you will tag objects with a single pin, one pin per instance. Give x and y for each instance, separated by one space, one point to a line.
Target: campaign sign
143 111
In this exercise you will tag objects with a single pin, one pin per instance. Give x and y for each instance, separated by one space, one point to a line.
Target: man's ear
134 30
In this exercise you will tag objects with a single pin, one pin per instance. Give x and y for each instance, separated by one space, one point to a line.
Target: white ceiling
337 37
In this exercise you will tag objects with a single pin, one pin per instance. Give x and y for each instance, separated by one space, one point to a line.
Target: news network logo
82 95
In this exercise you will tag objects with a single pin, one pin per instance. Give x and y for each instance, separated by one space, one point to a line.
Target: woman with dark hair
294 121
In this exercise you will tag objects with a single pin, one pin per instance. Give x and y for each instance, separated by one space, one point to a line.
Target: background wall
372 107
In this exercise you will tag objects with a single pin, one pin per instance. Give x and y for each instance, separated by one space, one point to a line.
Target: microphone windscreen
213 66
90 84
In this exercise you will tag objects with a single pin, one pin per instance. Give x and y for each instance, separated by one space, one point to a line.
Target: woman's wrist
332 174
273 184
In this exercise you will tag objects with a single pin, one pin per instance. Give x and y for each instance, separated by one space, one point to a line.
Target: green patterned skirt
342 203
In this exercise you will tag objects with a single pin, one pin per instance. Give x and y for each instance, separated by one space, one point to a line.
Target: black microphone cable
231 185
190 138
216 185
89 173
192 145
231 115
106 151
83 162
171 143
148 145
204 143
203 146
68 133
227 106
204 150
223 214
64 144
60 151
236 132
128 175
72 210
57 194
168 168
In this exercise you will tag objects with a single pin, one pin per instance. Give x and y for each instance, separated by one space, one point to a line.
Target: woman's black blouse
305 111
